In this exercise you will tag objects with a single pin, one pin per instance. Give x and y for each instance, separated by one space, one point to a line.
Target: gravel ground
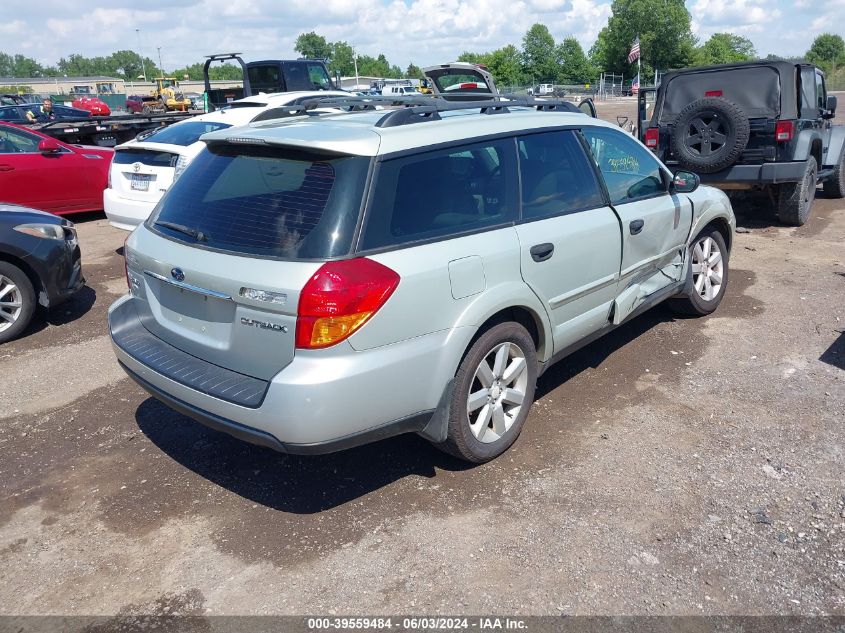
677 466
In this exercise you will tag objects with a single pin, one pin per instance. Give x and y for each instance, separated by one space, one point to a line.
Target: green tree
20 66
127 64
413 72
663 27
313 46
342 59
473 58
538 54
724 48
827 50
505 64
573 66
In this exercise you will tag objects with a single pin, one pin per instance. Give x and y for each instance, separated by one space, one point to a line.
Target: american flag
635 85
635 50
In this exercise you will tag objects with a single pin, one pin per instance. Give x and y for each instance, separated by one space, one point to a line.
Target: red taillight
784 130
713 93
652 137
339 298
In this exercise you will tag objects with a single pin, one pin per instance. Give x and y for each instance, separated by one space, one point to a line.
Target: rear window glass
438 194
269 202
186 133
151 158
756 90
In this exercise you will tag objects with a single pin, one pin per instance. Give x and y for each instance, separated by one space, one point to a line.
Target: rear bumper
123 213
320 403
764 174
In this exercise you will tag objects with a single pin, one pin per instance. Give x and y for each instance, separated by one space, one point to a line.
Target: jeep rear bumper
765 174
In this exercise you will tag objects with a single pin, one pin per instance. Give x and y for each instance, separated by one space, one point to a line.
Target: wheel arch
34 278
835 146
809 143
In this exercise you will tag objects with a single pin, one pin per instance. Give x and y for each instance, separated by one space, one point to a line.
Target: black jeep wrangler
750 126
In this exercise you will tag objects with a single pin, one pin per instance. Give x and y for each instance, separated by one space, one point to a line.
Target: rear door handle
636 226
542 252
6 168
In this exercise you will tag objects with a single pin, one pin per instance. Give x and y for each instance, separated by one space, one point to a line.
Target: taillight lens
652 137
784 130
339 298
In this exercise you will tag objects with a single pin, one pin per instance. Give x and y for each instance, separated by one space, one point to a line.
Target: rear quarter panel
434 296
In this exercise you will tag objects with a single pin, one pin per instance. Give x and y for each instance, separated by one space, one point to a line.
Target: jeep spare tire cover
710 135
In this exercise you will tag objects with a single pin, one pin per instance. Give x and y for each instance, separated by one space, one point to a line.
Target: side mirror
685 182
830 111
49 146
588 107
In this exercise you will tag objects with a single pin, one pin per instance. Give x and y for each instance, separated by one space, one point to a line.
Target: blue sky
422 31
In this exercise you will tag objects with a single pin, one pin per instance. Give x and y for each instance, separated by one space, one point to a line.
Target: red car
41 172
95 106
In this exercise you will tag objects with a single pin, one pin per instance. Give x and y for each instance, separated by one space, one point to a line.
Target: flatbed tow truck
106 131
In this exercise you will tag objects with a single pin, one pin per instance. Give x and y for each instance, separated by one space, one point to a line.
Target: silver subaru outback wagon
325 281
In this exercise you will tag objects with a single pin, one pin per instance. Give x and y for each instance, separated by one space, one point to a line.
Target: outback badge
264 325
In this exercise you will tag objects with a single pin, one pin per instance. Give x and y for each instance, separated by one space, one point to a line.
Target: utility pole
140 52
355 61
160 65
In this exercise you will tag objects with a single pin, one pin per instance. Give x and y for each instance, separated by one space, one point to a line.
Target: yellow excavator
167 96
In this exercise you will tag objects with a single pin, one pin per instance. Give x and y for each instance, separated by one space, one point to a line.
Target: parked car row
439 256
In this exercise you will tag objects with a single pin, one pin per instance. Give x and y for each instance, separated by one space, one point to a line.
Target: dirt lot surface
677 466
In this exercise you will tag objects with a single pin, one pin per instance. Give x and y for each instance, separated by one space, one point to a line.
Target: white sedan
143 169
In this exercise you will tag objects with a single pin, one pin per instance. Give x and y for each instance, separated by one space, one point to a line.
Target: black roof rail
414 109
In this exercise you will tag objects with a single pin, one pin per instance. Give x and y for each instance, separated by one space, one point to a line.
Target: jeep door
655 223
570 241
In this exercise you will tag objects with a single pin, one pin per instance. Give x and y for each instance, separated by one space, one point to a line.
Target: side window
17 142
821 96
629 169
438 194
556 177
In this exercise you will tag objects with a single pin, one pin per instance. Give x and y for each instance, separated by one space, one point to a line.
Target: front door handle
6 168
636 226
542 252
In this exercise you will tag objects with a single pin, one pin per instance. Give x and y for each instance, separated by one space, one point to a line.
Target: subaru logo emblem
136 167
177 274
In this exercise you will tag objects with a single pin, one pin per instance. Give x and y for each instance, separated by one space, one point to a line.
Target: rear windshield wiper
199 236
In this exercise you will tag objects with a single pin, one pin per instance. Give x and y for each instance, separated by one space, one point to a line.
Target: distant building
65 85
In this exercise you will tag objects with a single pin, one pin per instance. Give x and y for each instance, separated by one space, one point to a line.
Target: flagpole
639 59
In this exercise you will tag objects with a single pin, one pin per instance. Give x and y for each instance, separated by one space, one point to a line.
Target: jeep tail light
713 93
339 298
652 137
784 130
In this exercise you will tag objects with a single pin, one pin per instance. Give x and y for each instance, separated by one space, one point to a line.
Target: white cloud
422 31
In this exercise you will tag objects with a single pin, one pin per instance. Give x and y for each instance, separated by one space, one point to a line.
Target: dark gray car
40 264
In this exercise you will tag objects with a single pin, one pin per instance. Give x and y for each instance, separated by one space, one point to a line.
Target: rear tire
708 256
795 199
493 392
17 301
834 187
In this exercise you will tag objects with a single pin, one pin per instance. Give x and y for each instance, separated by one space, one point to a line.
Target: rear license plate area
140 182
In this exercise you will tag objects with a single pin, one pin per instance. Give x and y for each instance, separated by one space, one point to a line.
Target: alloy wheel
11 303
497 392
708 268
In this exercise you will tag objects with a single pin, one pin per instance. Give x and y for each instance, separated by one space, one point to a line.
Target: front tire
708 255
494 389
834 187
795 199
17 301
